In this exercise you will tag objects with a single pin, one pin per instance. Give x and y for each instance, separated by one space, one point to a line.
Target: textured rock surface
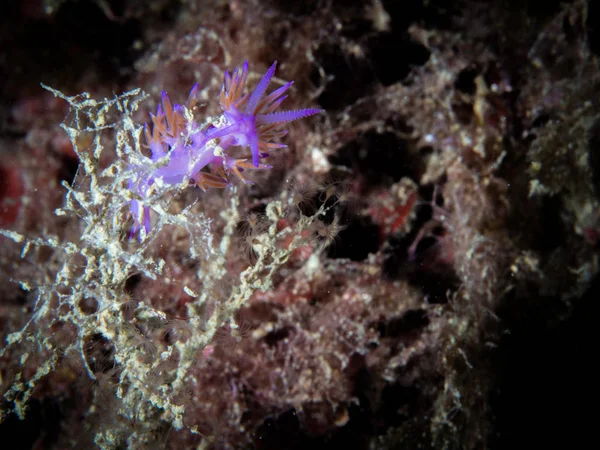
447 296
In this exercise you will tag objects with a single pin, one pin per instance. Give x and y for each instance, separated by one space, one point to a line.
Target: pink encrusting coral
182 149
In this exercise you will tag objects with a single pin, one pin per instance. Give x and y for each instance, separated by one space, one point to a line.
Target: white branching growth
147 378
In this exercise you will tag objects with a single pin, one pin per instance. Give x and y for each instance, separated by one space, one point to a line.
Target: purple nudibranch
200 152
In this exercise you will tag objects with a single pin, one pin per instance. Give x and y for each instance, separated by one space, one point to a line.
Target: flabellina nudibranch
181 149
